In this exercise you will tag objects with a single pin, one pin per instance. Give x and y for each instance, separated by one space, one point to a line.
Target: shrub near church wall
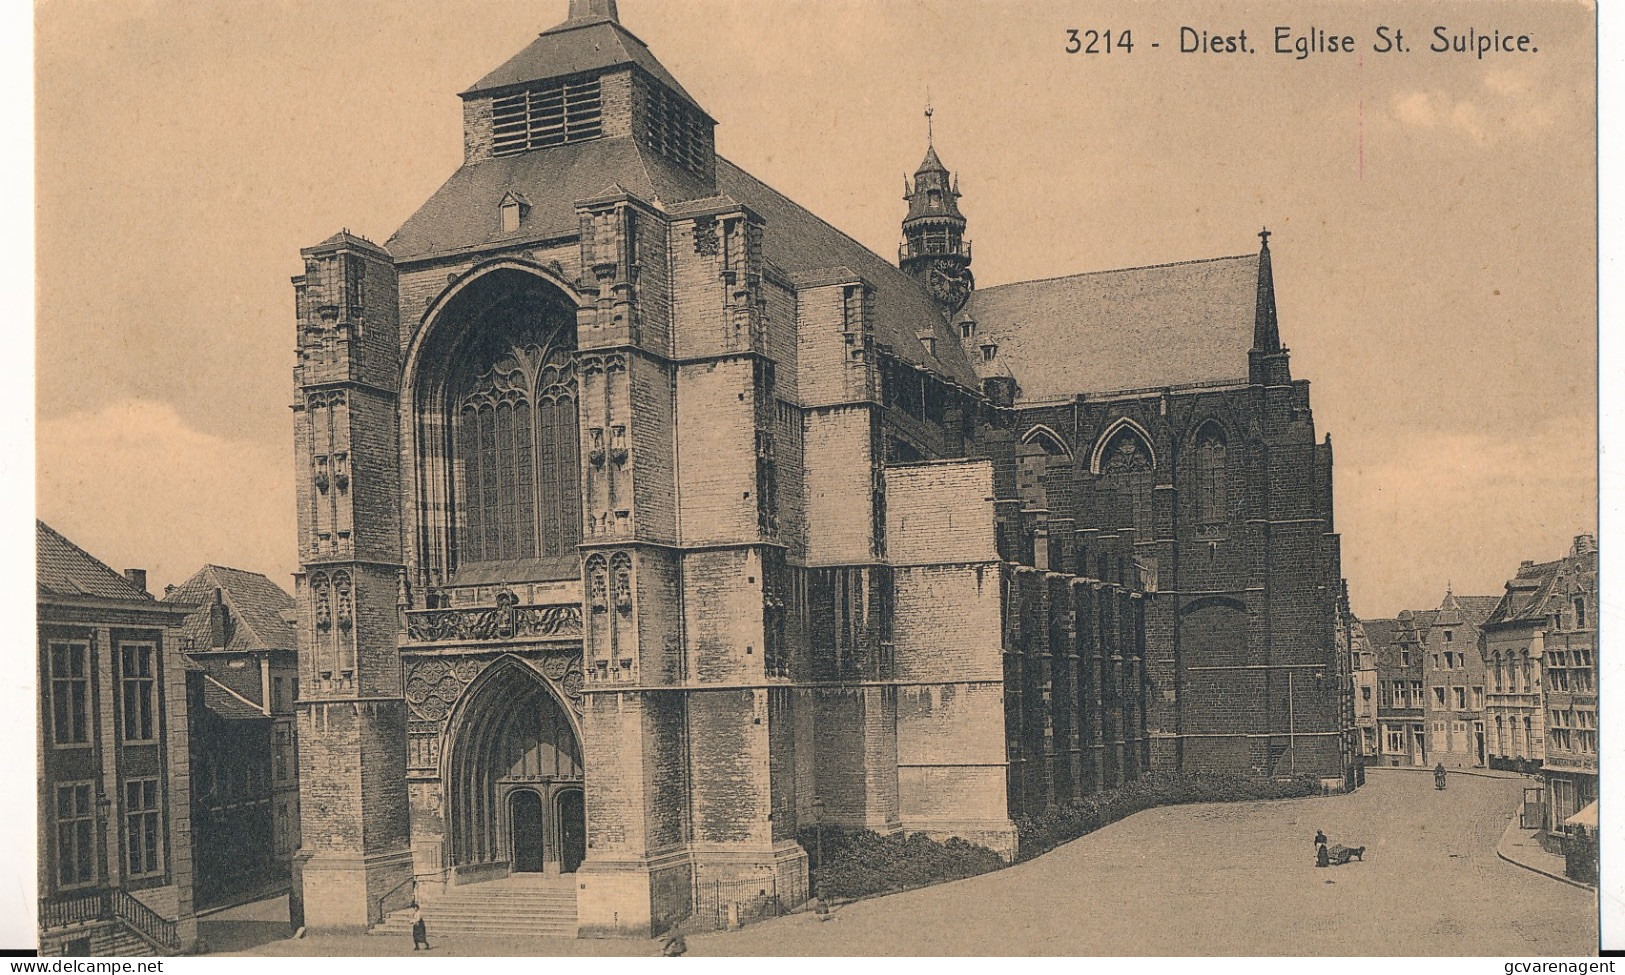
1042 833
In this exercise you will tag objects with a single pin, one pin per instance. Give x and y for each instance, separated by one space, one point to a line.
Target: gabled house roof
64 570
1528 594
1380 633
1477 609
256 604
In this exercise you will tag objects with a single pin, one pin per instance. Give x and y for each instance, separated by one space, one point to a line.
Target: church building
644 517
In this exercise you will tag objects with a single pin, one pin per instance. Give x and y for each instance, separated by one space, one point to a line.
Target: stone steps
523 906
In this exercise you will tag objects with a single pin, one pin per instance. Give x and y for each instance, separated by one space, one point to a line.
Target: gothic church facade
643 516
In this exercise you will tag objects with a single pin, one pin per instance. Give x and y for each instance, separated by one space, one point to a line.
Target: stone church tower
646 519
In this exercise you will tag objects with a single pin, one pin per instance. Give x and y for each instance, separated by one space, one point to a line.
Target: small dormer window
513 207
933 199
989 350
967 328
929 340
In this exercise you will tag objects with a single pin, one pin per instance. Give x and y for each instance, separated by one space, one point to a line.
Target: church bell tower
935 251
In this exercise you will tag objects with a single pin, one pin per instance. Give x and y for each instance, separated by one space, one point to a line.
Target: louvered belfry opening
673 129
547 114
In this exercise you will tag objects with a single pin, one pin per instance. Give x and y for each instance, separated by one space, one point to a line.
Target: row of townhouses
1503 682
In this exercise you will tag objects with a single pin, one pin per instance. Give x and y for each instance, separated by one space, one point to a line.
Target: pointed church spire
1266 329
1267 362
594 10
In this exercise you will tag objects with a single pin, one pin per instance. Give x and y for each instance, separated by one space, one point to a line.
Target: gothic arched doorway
527 829
572 818
514 752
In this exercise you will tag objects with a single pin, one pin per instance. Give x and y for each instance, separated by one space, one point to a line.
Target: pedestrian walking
420 930
1438 776
1320 837
1322 857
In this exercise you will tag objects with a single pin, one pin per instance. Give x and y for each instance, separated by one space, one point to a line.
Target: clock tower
935 251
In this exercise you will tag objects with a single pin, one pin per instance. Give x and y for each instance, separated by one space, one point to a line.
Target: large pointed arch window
517 446
1127 468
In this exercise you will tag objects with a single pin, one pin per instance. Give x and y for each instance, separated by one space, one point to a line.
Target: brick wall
940 512
840 527
715 428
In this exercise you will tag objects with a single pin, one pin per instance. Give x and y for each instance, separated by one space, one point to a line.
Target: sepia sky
1433 214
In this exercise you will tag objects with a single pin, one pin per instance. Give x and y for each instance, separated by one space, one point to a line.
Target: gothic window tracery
518 447
1126 467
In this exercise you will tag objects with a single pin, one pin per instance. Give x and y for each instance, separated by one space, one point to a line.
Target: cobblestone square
1194 880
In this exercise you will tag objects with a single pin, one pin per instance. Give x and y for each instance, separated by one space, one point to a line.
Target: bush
861 863
1067 822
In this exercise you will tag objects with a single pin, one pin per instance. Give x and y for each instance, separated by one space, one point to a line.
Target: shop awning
1585 817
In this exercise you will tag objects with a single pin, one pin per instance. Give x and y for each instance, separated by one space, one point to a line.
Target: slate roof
1527 594
797 240
1380 633
1477 609
932 163
1136 328
579 47
345 238
256 603
464 215
67 571
227 704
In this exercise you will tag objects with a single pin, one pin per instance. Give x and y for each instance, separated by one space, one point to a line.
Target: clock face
952 285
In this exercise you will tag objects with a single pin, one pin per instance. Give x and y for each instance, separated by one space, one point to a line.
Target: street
1234 879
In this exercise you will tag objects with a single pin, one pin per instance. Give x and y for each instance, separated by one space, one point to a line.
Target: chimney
219 623
137 577
1585 544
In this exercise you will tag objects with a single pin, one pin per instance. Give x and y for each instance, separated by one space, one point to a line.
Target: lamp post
104 843
818 831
